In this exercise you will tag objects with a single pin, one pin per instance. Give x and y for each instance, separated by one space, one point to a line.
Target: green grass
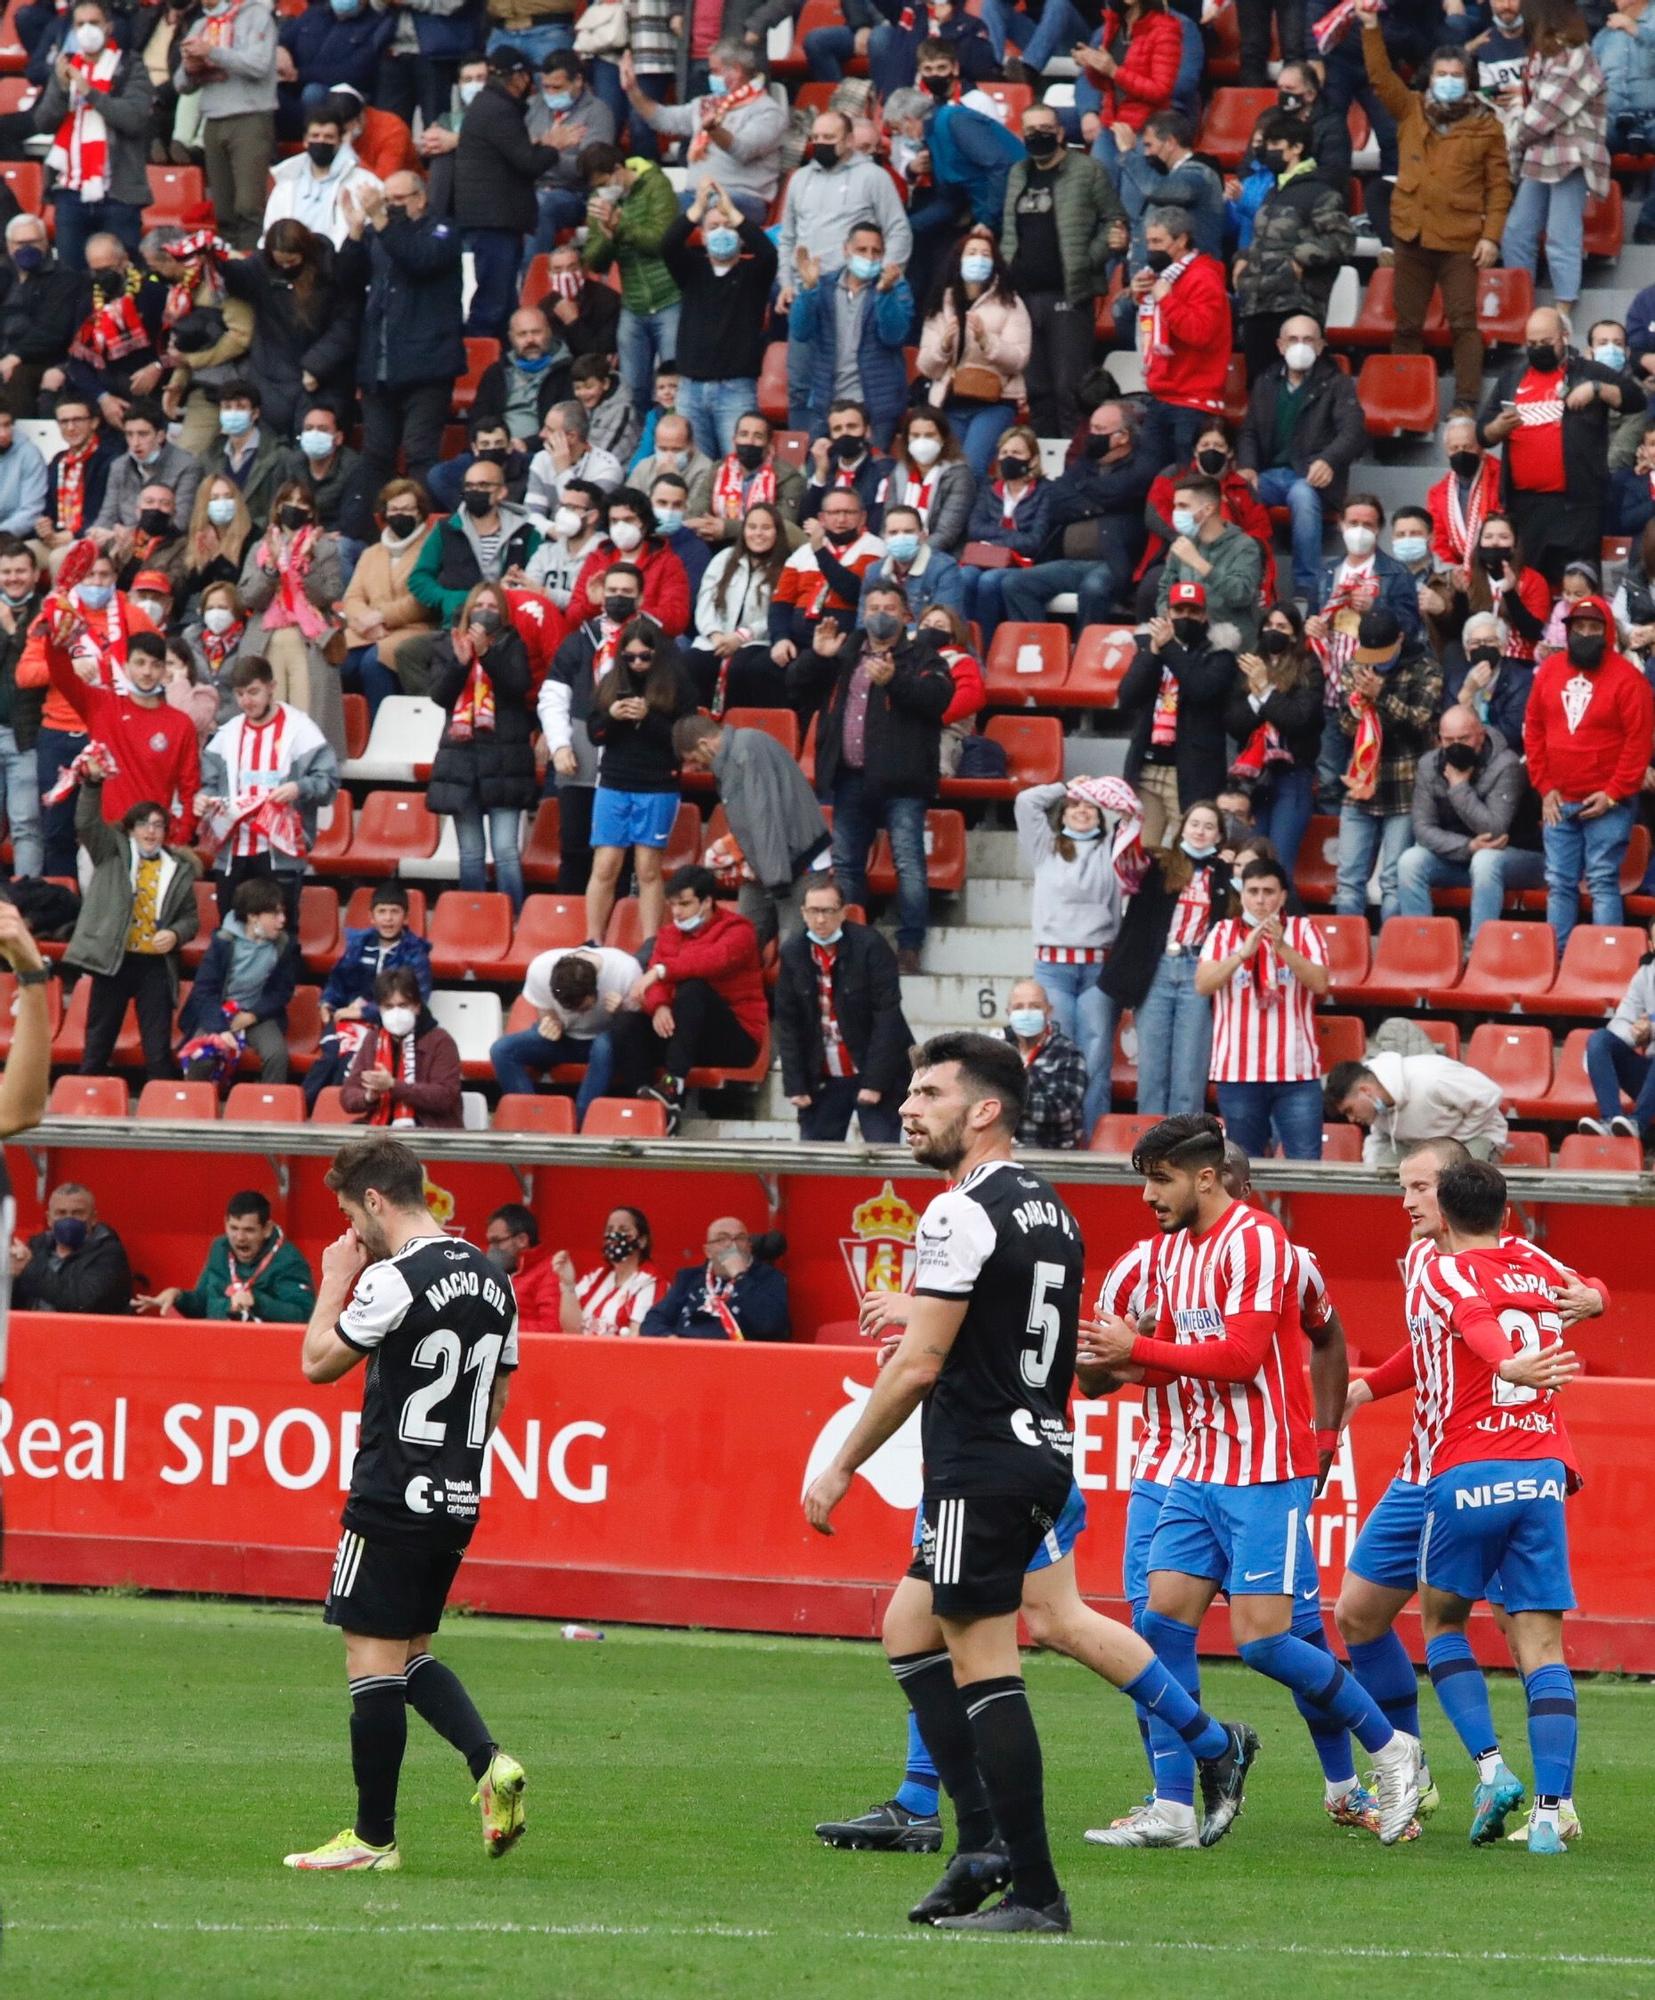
160 1757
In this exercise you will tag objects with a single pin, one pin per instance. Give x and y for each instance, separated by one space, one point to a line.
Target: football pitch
161 1756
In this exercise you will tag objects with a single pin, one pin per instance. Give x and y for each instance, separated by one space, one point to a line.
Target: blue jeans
827 50
1592 849
985 598
536 43
1170 431
1363 837
1086 1014
715 408
1054 34
560 209
20 800
893 56
979 427
1282 810
77 220
1491 875
645 341
856 819
508 856
1614 1066
1557 210
1280 486
53 749
518 1058
365 674
1175 1038
1294 1110
496 254
1098 585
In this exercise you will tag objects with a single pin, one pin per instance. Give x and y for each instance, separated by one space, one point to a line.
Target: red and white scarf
80 152
71 486
1465 526
604 647
717 1303
112 330
72 773
735 489
255 813
474 711
290 606
1362 778
214 29
253 1276
1335 23
1152 337
1115 795
565 284
1343 613
202 256
216 647
917 490
384 1112
714 111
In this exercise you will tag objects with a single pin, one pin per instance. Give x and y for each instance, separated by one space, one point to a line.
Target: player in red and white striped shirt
1234 1518
1264 973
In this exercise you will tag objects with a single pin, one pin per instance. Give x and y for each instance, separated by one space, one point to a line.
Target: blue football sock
1385 1670
1553 1730
1318 1676
1331 1739
1463 1692
1160 1697
1174 1645
1143 1713
918 1791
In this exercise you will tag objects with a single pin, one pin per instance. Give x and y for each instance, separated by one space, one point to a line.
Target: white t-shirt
618 973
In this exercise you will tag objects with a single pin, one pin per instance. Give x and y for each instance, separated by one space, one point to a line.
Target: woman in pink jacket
974 346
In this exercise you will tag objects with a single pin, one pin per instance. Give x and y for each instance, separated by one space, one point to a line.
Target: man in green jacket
1222 558
632 208
252 1272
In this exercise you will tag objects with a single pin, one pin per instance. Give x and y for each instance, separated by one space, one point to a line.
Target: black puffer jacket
496 767
290 342
496 164
901 742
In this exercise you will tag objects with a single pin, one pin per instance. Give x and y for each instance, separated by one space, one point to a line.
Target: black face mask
1191 633
1274 162
1212 462
841 538
496 454
1014 468
1289 100
1493 560
826 155
486 618
1158 260
940 87
1484 656
1460 757
1042 145
397 210
1586 648
618 609
401 525
155 521
1273 643
322 153
476 503
846 450
1542 356
750 456
1097 447
1463 464
294 518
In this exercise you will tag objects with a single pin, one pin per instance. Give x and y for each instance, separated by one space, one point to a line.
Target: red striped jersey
1251 1432
1130 1290
1504 1295
1264 1028
1192 912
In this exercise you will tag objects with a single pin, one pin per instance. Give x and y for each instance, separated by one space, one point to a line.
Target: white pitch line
284 1928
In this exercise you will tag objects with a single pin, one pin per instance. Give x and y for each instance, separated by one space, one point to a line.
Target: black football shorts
974 1552
387 1591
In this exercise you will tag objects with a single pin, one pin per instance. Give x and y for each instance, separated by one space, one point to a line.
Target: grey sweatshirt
1076 903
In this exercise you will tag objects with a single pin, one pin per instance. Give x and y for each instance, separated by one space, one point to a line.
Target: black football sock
439 1697
379 1735
1008 1755
927 1679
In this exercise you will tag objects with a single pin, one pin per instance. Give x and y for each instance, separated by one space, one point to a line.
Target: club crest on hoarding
879 1254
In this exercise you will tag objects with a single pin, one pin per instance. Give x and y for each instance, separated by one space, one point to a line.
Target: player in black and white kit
990 1348
437 1324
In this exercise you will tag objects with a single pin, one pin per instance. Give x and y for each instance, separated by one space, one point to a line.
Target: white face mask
218 620
154 609
90 38
626 535
398 1021
691 923
1300 356
567 523
925 450
1359 541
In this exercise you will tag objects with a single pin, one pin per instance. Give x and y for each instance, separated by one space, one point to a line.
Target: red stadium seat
1340 1038
356 724
1014 99
1119 1131
265 1104
359 910
520 1112
1227 130
1342 1143
1317 868
1571 1096
780 723
1026 663
8 997
1504 301
625 929
392 827
985 555
1222 35
791 446
1398 393
27 181
470 934
1509 963
1235 390
160 1099
542 852
687 842
87 1097
479 354
1525 1149
328 1109
69 1037
1034 756
331 853
1349 951
1598 963
1415 955
715 1079
1446 1035
206 922
1518 1059
173 192
621 1118
547 923
1375 325
13 56
537 282
320 939
304 1030
1098 666
1605 223
773 384
1584 1153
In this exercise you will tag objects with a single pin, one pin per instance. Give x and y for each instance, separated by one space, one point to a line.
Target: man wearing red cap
1178 689
1587 735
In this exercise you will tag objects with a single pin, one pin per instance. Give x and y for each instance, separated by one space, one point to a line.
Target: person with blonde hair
381 612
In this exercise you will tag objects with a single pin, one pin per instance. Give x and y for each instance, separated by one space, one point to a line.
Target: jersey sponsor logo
895 1471
416 1495
1024 1427
1502 1492
1198 1320
879 1253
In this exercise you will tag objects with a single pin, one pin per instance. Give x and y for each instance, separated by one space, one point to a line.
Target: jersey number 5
1044 1326
441 1351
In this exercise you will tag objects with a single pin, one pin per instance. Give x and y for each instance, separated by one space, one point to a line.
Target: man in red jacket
631 535
701 1001
1183 335
154 747
1588 736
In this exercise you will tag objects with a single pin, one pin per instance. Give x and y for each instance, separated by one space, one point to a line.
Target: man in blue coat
412 347
732 1296
957 161
846 330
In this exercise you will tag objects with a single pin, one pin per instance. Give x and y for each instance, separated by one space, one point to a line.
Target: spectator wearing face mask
564 705
1368 579
845 457
248 451
1177 690
734 131
484 541
846 330
484 766
1276 712
490 440
76 1264
1587 737
1011 511
725 282
930 475
1464 497
216 641
406 1073
576 522
973 347
924 574
751 471
831 198
307 188
1481 674
823 577
220 529
1096 517
631 207
631 537
1224 560
1476 822
40 315
1301 236
642 693
243 988
1183 334
615 1296
337 480
1389 691
1499 580
382 614
566 116
669 497
1054 1072
290 582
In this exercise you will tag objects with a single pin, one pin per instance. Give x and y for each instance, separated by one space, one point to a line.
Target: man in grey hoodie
774 817
1476 822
